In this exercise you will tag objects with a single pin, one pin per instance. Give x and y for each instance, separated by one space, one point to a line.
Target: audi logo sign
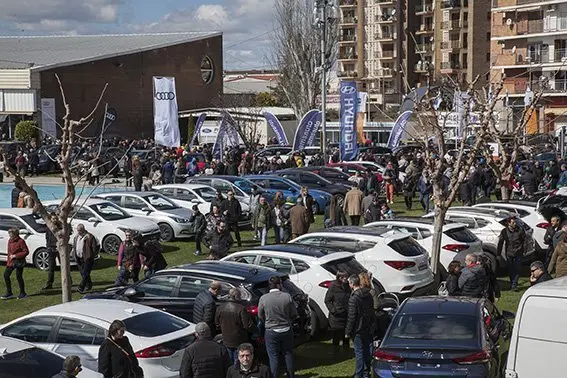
165 96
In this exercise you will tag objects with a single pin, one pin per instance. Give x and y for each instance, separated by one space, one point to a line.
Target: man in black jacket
247 366
539 273
15 194
220 241
205 305
553 235
360 325
473 280
53 254
515 239
199 227
218 201
232 210
204 358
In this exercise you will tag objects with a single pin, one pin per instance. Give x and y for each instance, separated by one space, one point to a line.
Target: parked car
314 181
107 222
312 269
174 289
273 151
188 195
445 337
396 260
351 168
309 152
273 184
78 328
375 167
456 242
331 174
21 359
241 186
172 219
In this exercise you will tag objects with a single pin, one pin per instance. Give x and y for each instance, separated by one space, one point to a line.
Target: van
539 340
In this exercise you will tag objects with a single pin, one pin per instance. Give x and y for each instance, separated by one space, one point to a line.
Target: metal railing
347 38
350 20
455 44
560 56
422 8
453 24
423 48
450 66
385 54
450 4
425 28
529 27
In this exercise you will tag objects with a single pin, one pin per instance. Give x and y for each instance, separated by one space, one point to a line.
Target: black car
314 181
331 174
174 290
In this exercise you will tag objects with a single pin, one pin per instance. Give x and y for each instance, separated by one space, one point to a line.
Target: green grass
314 359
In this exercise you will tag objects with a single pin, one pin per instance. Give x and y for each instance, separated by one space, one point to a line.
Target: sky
246 24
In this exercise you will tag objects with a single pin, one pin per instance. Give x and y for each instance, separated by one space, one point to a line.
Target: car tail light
380 355
326 284
456 247
400 265
155 351
475 358
252 310
543 225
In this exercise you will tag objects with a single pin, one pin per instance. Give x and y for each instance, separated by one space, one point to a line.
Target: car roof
417 222
441 305
552 288
17 211
10 345
183 186
227 269
267 177
317 256
222 177
128 192
80 201
507 205
296 248
368 231
476 211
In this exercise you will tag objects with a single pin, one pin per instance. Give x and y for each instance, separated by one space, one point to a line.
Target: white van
539 340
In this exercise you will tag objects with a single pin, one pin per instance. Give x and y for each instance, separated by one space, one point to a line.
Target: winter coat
544 277
263 217
340 218
424 186
360 318
372 214
472 282
204 358
528 181
552 238
559 260
353 201
219 243
308 203
218 202
17 250
153 255
199 223
234 322
257 370
15 196
452 284
299 220
128 254
366 202
90 247
204 309
515 242
336 300
233 209
113 362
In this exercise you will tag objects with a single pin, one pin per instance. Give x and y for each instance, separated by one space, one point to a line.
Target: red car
350 168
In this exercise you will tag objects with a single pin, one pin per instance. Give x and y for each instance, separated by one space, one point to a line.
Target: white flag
166 120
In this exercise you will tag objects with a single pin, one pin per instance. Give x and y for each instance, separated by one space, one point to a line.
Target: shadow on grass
167 248
318 354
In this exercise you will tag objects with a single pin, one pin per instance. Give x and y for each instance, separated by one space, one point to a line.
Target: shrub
26 131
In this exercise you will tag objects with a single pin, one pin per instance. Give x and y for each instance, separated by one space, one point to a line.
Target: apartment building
529 49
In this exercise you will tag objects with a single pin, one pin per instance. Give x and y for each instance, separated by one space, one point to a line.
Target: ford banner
398 129
277 128
349 114
198 126
307 130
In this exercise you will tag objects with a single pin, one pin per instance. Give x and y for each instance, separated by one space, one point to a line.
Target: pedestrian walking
21 163
452 281
16 260
218 201
553 235
204 358
389 180
277 310
299 219
558 261
85 249
71 367
219 241
512 241
280 222
53 254
137 174
263 219
308 202
472 281
232 210
408 188
424 188
205 306
116 357
248 366
168 170
353 205
33 162
538 273
199 227
336 300
334 214
129 261
234 323
152 254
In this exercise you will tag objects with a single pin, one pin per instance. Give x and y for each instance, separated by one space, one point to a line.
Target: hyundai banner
307 130
277 128
398 129
166 121
198 126
349 113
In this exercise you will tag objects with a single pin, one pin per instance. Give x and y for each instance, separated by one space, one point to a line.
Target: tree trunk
64 250
439 220
504 191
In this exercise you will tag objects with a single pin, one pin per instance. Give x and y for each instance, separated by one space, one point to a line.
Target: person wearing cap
538 273
204 358
71 367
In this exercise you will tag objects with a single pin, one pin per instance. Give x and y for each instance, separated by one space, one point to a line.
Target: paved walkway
56 180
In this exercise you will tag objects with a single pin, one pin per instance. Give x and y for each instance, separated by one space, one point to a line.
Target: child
386 212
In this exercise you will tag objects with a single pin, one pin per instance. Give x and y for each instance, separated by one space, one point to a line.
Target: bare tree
60 226
297 53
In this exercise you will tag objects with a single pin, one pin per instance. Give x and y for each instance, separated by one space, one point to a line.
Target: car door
81 215
135 205
7 222
275 185
157 291
37 330
79 338
184 297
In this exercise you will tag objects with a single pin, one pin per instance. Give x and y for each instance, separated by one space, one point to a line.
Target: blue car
445 337
274 184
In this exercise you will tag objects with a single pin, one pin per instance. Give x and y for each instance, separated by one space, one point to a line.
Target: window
300 266
364 244
407 247
222 185
25 363
434 327
7 222
32 330
153 324
109 211
190 287
168 192
280 185
160 202
309 179
408 230
462 234
425 233
488 36
312 240
343 244
280 264
207 70
134 203
185 195
82 213
76 332
114 199
160 286
248 259
461 219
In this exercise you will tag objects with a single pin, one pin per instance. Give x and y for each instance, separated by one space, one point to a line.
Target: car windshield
208 194
246 186
153 324
35 222
160 202
433 327
109 211
28 362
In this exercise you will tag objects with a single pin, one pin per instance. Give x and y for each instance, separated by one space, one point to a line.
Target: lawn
326 364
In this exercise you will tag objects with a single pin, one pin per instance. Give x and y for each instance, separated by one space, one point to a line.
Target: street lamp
325 14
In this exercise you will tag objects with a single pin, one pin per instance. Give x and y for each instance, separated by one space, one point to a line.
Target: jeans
125 275
514 265
278 343
198 239
53 256
19 278
86 266
279 233
263 236
362 345
355 220
424 200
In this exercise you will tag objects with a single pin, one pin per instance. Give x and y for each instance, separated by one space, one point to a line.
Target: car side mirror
147 210
195 200
508 315
24 233
92 220
133 293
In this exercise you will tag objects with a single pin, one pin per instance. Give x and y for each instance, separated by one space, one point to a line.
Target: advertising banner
166 121
348 116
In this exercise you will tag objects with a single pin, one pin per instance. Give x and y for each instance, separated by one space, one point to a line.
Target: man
263 220
360 325
538 273
367 200
308 203
219 241
205 305
218 201
299 219
16 194
352 205
51 245
473 280
234 322
204 358
277 310
233 212
199 227
515 239
33 159
85 249
247 366
71 367
528 182
553 235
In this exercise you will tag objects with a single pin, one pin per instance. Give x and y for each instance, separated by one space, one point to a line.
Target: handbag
135 371
443 291
18 263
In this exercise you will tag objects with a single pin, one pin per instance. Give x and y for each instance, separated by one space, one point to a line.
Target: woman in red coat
17 252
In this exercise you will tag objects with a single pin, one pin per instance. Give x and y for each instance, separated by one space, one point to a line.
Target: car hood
179 212
140 224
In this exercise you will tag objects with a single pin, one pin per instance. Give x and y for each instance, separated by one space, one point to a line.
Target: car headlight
180 220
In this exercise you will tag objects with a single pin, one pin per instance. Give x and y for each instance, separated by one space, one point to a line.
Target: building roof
44 52
249 82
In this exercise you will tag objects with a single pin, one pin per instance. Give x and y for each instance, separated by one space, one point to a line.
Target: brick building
126 62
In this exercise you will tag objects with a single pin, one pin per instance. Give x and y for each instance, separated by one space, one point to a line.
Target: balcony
425 29
348 56
347 38
347 74
508 3
348 3
560 56
423 48
454 24
450 45
385 19
387 36
424 8
447 67
423 67
529 27
385 54
349 21
450 4
385 72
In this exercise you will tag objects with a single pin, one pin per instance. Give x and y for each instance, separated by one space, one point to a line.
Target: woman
452 281
336 301
334 214
17 252
137 174
366 283
116 357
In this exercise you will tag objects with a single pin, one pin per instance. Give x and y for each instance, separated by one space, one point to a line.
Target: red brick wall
130 86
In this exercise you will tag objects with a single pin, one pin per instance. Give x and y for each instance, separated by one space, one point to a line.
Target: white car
188 195
394 259
456 242
376 167
312 269
309 152
107 222
172 219
79 328
21 359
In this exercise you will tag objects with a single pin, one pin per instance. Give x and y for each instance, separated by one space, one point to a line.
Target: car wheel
41 259
111 244
167 234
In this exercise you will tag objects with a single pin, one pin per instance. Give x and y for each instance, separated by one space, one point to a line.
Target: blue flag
198 125
398 129
349 114
218 147
277 128
231 131
307 130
